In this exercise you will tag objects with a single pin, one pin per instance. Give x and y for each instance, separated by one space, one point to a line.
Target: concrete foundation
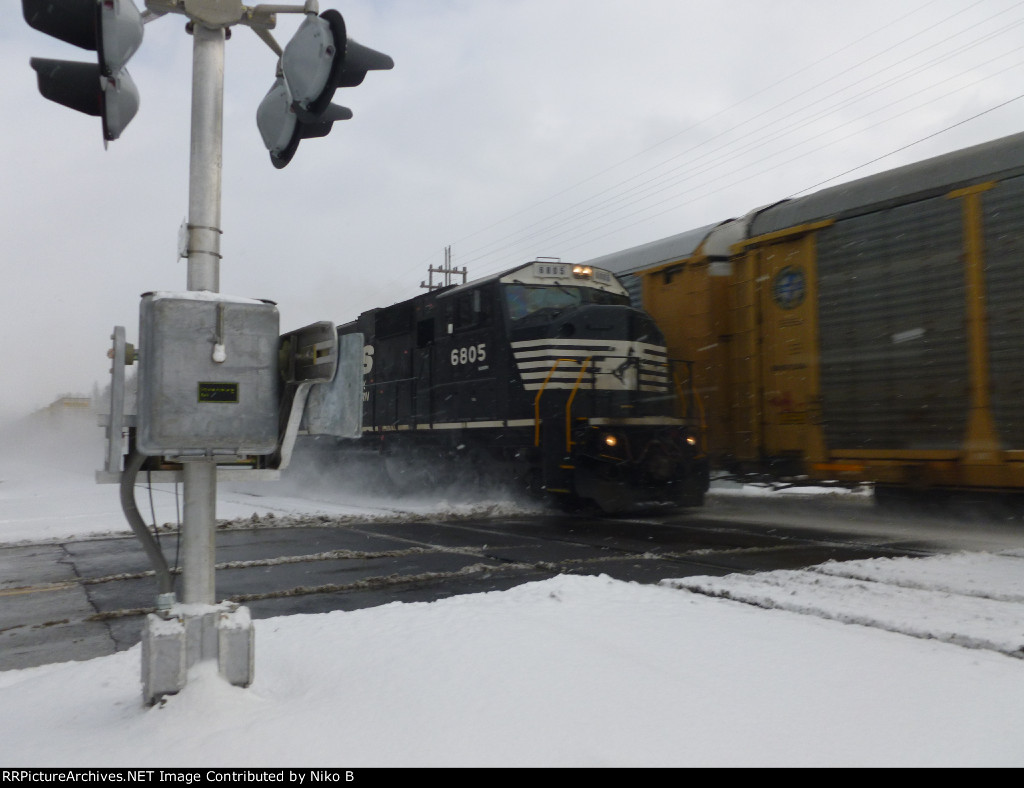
184 635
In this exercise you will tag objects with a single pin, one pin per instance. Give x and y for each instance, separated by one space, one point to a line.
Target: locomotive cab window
471 310
524 301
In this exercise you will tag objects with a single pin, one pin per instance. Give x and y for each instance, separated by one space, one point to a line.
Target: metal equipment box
208 375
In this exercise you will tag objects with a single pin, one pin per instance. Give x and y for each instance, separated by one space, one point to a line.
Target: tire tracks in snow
966 599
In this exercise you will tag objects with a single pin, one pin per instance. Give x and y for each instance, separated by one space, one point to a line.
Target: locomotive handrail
568 404
540 392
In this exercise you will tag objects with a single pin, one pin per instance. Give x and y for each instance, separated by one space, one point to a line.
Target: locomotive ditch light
611 441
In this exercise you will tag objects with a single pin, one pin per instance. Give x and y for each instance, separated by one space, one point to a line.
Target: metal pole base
174 641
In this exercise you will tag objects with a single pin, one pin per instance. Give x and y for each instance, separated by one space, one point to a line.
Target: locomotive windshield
523 301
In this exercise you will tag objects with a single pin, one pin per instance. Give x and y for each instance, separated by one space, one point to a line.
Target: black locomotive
543 375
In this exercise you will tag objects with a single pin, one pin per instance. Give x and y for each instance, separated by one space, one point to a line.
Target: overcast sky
507 130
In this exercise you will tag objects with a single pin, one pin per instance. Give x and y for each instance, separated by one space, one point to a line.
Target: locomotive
544 376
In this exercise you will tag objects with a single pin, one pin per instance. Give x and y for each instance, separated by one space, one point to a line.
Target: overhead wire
578 227
648 214
729 151
902 148
729 145
693 126
703 190
606 205
433 255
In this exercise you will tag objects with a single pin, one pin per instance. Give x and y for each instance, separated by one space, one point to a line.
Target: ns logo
367 366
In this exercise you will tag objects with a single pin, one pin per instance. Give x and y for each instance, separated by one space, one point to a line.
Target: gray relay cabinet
208 380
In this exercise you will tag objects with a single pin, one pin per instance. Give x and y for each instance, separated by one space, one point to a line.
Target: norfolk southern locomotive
544 375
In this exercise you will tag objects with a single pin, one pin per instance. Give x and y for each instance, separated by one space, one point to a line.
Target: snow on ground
973 600
881 662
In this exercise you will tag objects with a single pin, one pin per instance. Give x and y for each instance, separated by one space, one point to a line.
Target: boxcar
869 332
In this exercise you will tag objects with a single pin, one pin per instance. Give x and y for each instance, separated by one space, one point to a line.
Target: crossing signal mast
319 59
191 339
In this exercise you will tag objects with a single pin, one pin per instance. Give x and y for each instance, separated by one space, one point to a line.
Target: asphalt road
85 598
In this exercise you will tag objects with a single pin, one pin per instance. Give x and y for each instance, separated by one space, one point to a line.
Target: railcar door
789 365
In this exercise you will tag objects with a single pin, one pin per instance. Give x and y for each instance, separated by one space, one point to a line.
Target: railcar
545 376
869 332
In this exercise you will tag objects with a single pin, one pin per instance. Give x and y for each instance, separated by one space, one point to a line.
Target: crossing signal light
318 60
112 29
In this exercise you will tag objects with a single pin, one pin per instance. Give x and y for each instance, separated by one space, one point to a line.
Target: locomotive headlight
611 441
691 441
582 271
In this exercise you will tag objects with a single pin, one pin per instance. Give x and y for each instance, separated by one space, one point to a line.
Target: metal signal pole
204 208
179 415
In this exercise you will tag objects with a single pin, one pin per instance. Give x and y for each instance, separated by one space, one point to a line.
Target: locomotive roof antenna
448 271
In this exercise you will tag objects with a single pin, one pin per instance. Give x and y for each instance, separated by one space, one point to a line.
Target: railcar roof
1001 157
665 250
998 158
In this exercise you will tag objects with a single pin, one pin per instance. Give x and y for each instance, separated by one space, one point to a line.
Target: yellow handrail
568 404
536 401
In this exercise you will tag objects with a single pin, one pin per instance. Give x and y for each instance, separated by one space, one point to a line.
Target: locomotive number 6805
543 375
469 355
